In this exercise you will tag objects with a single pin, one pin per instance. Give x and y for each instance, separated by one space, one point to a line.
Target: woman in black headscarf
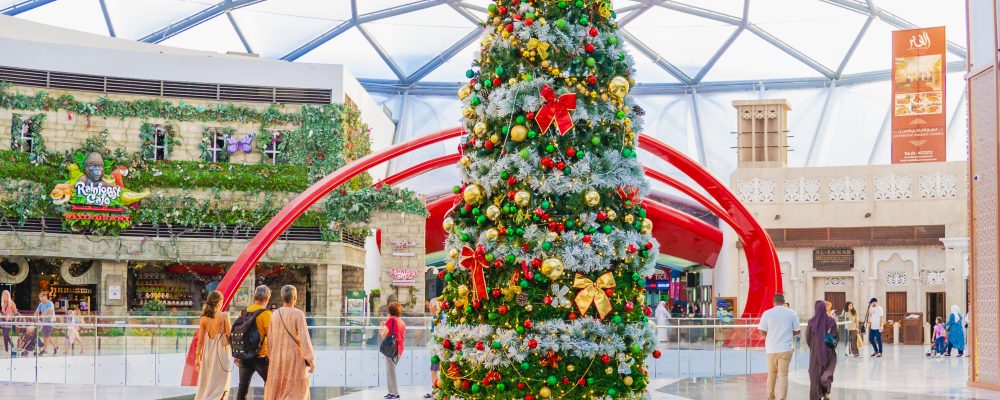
822 356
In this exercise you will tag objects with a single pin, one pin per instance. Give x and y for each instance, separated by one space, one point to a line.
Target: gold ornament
464 92
522 198
552 268
570 368
612 215
465 161
479 128
545 64
494 138
529 308
539 47
605 10
592 292
458 383
627 381
629 219
492 212
469 113
592 198
647 226
608 370
472 194
453 253
447 224
545 392
491 234
463 291
518 133
631 81
618 87
449 266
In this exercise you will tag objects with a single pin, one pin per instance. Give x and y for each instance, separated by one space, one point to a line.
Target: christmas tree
549 243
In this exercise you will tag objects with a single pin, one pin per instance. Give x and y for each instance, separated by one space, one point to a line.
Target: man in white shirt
874 322
779 324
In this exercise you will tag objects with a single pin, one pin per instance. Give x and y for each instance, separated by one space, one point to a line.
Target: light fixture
777 217
868 215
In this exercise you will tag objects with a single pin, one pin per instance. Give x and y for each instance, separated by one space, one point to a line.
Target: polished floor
903 373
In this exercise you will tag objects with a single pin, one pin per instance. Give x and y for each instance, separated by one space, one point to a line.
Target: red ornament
502 231
496 293
480 346
503 309
601 215
528 324
560 165
509 27
503 9
535 263
517 17
593 32
529 115
528 22
458 345
547 300
570 152
441 275
512 180
605 358
497 81
498 264
572 316
609 292
586 239
520 385
556 110
589 48
629 305
647 311
649 245
631 248
511 194
476 304
529 396
565 380
532 344
488 145
466 384
446 344
445 305
657 354
581 382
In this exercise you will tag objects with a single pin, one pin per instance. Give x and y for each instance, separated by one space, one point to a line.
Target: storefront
66 282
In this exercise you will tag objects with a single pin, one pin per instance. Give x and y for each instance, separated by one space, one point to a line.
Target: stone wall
403 247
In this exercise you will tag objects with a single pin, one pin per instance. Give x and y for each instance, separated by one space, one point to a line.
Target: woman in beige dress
213 358
291 352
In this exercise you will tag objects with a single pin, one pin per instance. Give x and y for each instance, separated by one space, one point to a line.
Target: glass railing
150 351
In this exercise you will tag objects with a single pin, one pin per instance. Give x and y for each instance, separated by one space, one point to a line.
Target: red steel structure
762 260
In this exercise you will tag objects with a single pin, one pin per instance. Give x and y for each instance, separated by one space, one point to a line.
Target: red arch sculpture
762 260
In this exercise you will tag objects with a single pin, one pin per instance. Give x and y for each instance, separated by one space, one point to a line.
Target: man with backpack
248 339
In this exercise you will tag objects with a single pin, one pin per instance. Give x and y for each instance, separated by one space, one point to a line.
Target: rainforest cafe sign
95 199
97 195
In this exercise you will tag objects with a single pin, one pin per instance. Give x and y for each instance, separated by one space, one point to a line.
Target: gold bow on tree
540 47
592 292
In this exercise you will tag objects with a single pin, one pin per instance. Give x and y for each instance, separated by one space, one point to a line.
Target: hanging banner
918 95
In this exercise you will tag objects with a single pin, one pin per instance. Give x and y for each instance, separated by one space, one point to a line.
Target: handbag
388 347
830 340
297 343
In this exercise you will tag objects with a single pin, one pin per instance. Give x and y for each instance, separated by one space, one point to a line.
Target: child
939 337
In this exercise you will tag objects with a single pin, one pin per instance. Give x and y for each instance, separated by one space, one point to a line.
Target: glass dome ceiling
829 58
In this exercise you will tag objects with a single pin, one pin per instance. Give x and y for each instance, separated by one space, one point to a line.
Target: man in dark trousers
874 319
261 296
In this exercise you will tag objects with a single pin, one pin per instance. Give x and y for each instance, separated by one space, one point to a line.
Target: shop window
21 139
160 144
273 147
157 141
213 144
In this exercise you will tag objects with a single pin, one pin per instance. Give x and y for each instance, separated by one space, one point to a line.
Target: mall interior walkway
903 373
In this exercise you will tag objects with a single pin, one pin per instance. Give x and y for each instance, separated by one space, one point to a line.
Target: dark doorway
895 306
838 299
935 307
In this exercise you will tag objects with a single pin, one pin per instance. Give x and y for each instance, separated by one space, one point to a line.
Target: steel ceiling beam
239 32
788 49
455 5
821 128
854 46
699 139
23 6
871 9
696 11
445 55
197 19
633 15
358 19
107 18
718 54
657 59
382 53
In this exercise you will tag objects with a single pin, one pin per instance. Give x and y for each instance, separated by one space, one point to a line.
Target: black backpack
244 337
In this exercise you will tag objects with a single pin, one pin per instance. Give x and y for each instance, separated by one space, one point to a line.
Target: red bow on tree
475 262
629 195
556 110
551 360
491 377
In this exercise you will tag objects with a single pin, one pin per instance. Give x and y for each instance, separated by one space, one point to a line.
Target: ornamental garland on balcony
32 126
208 145
147 140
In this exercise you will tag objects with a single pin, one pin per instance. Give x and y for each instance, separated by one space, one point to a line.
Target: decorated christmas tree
549 243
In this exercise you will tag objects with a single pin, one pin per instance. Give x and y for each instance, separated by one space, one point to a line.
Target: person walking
821 337
851 315
46 312
73 322
212 353
956 333
778 324
437 318
290 351
7 312
255 317
393 325
661 315
873 321
939 337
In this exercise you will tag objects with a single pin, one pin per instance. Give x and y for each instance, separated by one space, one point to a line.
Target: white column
725 278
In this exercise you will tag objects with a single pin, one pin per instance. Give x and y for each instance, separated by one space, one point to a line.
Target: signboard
400 247
918 95
355 303
404 276
838 259
726 303
94 195
113 284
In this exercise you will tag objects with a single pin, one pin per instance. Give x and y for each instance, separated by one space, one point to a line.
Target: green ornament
501 387
475 100
617 319
530 15
607 228
642 212
475 211
591 61
620 114
621 57
550 148
489 257
644 253
463 211
496 344
523 283
595 140
505 129
524 152
492 8
481 219
499 70
635 276
475 388
612 40
561 4
561 23
487 83
612 392
546 204
636 348
520 231
525 365
592 230
511 259
456 189
493 316
570 224
447 277
546 246
584 20
506 210
465 237
579 3
590 381
520 330
519 119
637 224
566 170
528 77
435 359
579 154
504 175
551 380
470 73
532 134
468 309
641 282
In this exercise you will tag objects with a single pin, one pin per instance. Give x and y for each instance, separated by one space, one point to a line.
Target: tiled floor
903 373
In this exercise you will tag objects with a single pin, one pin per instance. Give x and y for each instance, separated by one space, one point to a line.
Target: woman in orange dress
291 352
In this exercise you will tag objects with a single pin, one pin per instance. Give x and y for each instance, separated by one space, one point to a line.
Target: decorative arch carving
22 271
89 277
